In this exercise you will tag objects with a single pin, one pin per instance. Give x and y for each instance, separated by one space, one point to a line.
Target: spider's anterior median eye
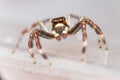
60 20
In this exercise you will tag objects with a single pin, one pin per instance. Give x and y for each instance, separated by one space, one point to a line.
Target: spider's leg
26 30
99 32
99 42
84 41
30 46
73 16
22 33
39 46
43 34
70 17
74 30
101 39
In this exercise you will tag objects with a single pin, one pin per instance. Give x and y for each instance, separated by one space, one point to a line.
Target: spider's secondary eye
63 18
55 21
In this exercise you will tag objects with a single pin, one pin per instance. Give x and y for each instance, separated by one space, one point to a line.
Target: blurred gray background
15 15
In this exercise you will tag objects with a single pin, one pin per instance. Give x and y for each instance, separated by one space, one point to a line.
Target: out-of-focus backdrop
15 15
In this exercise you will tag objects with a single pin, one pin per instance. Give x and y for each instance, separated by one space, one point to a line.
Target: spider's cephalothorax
61 27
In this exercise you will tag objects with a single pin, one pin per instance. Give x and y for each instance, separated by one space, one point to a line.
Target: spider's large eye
60 20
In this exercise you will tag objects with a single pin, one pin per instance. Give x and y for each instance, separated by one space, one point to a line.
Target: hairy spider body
61 27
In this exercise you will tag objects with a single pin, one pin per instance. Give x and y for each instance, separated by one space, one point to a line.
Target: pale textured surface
65 55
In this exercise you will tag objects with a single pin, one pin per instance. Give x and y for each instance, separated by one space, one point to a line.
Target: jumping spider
61 28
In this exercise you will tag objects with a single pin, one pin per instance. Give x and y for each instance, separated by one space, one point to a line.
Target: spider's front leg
82 24
35 35
84 40
101 38
74 30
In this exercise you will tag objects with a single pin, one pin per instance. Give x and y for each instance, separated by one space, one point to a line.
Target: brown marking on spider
61 28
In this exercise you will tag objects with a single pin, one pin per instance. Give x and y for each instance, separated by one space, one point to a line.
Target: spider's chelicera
61 28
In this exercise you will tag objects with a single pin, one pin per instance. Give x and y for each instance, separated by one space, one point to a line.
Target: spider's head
59 24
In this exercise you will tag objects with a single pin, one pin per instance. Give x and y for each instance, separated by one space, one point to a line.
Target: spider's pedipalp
65 32
56 35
